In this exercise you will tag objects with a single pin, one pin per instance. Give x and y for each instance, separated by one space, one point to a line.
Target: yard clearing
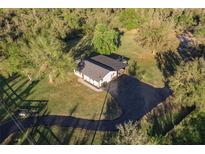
145 59
71 98
68 98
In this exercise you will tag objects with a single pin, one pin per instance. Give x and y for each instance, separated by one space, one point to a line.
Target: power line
101 114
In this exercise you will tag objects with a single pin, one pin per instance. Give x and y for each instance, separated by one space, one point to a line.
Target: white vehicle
23 113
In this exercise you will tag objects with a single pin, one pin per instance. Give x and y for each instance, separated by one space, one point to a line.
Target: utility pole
99 120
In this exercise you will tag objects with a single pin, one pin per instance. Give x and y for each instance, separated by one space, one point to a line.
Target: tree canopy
130 18
104 40
188 83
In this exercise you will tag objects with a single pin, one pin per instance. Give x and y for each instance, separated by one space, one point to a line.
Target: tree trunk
29 77
154 52
50 78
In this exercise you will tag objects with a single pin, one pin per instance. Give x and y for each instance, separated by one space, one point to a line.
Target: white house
100 70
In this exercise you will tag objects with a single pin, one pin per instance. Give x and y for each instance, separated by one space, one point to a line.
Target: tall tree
104 40
46 55
188 84
130 19
40 55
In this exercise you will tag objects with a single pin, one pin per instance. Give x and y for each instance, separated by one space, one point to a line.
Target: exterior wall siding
97 84
78 73
93 82
106 79
110 76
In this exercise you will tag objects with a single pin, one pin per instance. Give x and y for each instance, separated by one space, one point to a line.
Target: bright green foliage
188 84
104 40
33 43
130 19
199 34
200 31
185 19
74 20
3 46
16 60
46 55
41 55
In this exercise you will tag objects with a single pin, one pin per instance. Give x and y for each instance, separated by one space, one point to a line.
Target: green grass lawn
60 135
65 98
144 58
69 98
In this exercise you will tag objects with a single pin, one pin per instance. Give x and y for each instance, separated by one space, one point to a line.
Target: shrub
131 133
188 84
135 70
199 32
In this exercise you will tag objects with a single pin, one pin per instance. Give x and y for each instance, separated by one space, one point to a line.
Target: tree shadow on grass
191 130
165 117
121 33
59 135
77 44
72 39
65 136
168 61
47 136
108 137
112 109
83 49
14 98
72 111
192 53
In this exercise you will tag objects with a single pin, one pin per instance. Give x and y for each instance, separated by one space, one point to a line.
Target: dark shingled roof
110 62
94 71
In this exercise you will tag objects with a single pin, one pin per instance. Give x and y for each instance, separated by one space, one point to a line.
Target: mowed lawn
60 135
145 59
68 97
